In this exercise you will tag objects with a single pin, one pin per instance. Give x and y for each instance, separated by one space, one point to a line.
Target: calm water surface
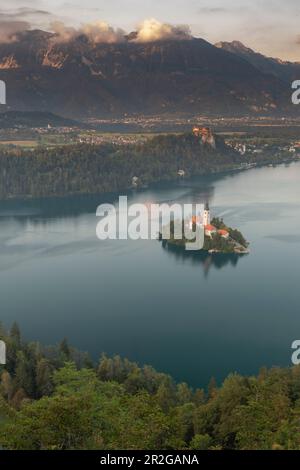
193 316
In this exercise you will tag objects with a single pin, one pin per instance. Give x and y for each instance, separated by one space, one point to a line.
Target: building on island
208 227
205 222
223 233
210 230
206 215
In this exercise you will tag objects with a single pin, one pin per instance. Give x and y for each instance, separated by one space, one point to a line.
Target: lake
191 316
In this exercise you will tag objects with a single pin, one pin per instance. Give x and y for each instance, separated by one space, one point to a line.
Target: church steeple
206 215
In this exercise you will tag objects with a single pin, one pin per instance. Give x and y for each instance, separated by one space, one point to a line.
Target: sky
268 26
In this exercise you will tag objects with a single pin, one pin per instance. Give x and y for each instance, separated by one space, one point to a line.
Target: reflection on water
202 258
193 315
194 191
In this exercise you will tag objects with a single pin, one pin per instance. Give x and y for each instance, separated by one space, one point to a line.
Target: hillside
48 393
84 168
80 79
284 70
31 119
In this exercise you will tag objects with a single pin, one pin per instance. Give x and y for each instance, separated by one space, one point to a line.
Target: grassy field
20 143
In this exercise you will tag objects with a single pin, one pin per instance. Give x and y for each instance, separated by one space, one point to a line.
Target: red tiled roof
210 228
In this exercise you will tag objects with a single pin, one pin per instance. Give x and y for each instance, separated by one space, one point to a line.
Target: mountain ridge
285 70
79 79
30 119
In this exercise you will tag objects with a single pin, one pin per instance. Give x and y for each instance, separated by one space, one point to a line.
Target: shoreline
239 252
217 172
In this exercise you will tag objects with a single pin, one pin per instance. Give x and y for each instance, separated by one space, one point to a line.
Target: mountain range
284 70
80 79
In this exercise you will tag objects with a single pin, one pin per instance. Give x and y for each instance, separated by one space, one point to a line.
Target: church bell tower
206 215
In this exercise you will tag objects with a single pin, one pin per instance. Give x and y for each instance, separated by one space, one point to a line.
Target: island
218 237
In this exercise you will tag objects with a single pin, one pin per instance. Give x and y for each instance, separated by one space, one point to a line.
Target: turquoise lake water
191 316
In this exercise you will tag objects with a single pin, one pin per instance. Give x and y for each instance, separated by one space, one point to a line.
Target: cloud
9 30
24 14
153 30
18 20
101 32
97 32
62 32
213 10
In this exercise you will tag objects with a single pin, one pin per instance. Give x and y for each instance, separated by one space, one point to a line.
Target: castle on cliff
205 134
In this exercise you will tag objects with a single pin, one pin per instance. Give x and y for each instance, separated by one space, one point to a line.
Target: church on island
205 222
215 236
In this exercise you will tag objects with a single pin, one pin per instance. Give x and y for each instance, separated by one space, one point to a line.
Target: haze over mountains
79 78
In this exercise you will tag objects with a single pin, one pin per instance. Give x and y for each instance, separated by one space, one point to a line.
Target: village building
206 135
210 230
208 227
205 222
223 233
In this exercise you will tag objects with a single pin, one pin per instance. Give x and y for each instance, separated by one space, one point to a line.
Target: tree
183 422
199 397
120 405
44 380
264 414
233 394
165 395
65 349
56 422
7 388
200 442
136 423
105 368
212 388
24 377
184 393
15 334
2 331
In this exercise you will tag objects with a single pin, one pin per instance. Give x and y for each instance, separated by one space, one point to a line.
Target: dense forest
56 398
85 168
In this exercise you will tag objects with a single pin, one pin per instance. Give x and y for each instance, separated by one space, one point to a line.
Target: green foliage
84 413
237 236
211 243
48 403
201 442
84 168
218 243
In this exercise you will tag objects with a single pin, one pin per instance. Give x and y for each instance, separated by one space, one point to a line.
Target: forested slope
82 168
56 398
